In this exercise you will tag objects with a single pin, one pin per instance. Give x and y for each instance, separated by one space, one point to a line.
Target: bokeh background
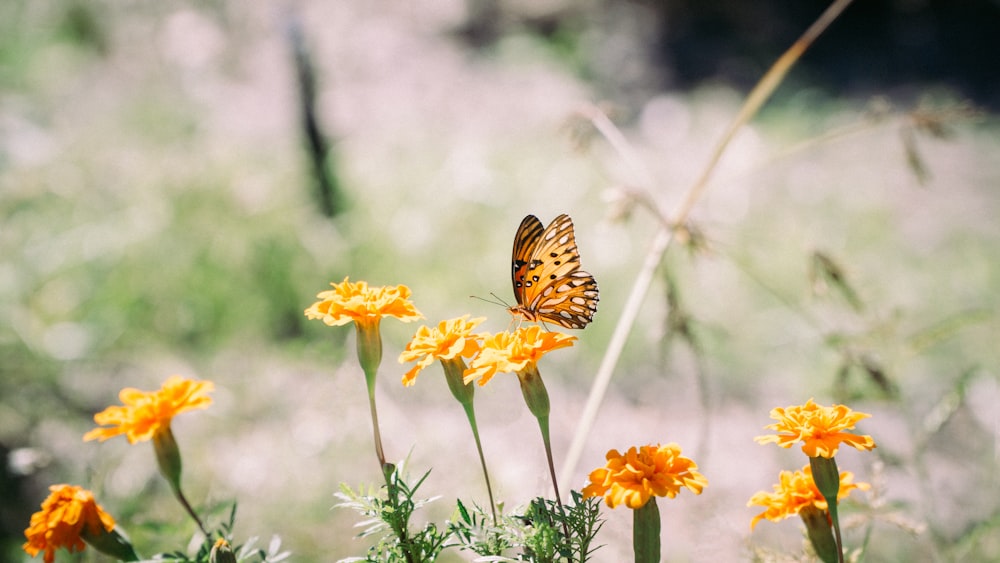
179 179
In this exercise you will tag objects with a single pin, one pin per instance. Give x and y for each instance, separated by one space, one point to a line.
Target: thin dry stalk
665 235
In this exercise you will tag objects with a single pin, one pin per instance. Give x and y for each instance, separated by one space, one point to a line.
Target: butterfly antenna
497 301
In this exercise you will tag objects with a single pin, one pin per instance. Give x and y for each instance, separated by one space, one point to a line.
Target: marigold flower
365 306
68 512
644 472
519 352
819 428
449 340
514 352
796 491
362 304
148 413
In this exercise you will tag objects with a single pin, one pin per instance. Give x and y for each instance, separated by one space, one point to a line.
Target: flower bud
820 533
168 456
533 389
221 552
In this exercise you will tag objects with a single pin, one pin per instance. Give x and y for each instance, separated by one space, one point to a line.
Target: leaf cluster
546 531
549 531
388 513
247 552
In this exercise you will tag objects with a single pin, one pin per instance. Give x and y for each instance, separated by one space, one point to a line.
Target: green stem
168 457
537 399
379 452
543 425
470 413
646 532
187 506
370 356
454 370
832 507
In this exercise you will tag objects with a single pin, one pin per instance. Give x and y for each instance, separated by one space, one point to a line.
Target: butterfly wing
548 283
525 241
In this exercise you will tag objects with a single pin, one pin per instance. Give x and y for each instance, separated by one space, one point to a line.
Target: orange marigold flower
821 429
449 340
148 413
796 491
362 304
641 473
68 512
513 352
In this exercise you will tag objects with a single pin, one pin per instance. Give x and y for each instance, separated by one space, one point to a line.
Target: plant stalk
665 235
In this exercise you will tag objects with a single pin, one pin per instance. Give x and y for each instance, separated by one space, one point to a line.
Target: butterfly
548 283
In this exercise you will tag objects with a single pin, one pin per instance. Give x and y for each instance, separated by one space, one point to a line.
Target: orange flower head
449 340
796 491
68 512
821 429
513 352
644 472
362 304
144 414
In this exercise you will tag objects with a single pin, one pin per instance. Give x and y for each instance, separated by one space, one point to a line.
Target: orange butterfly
548 282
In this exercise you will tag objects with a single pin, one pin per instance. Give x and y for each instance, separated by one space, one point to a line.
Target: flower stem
370 356
537 399
646 532
168 457
836 530
543 425
454 369
470 412
379 452
827 479
187 506
664 238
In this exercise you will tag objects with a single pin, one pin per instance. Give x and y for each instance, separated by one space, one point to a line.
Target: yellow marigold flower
365 306
362 304
797 491
146 414
68 512
449 340
821 429
641 473
514 352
